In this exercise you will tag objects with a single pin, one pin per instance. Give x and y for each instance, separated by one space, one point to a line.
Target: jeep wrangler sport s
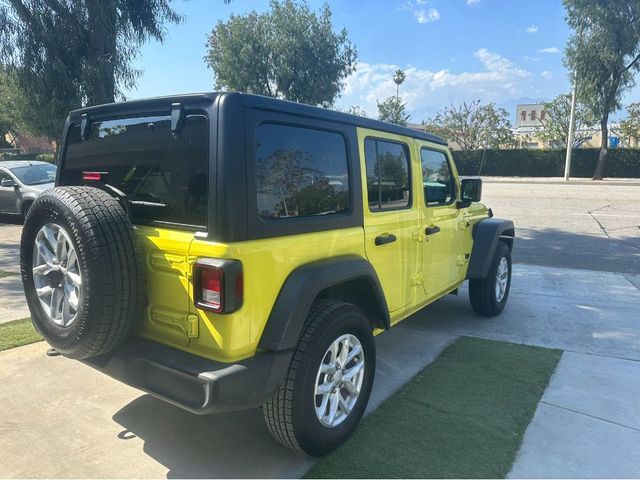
226 251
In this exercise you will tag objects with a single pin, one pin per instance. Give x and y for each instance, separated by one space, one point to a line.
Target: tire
92 288
290 415
483 293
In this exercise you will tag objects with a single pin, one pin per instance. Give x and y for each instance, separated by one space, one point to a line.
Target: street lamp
567 162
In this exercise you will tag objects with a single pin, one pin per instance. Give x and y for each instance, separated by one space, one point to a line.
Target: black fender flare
486 235
303 286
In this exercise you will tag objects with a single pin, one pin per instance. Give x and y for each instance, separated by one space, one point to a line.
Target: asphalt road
592 227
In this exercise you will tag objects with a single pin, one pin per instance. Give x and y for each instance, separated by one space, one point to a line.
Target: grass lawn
462 416
7 274
17 333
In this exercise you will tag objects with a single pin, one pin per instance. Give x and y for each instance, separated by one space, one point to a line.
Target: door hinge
463 259
193 322
463 225
416 279
418 235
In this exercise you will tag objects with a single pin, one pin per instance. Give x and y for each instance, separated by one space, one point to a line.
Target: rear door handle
386 238
431 230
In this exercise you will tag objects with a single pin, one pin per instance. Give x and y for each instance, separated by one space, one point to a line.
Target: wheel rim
339 380
502 278
56 274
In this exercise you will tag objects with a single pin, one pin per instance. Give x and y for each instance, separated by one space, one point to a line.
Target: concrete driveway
106 429
60 418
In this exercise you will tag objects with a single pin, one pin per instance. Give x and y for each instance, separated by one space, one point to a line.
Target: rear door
164 175
391 218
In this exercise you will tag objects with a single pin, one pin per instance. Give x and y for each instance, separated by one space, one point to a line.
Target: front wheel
489 295
326 390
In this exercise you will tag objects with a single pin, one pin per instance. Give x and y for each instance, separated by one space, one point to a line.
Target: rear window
300 172
164 175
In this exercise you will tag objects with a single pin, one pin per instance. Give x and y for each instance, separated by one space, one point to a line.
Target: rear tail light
218 285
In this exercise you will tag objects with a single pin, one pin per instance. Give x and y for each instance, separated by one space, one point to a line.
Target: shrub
621 162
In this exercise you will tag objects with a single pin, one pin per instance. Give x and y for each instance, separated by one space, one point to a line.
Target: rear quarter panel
266 265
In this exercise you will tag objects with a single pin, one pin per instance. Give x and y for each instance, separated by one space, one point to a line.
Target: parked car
227 251
21 182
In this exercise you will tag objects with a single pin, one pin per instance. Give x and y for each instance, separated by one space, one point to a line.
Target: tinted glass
300 172
439 187
164 175
35 174
4 176
387 175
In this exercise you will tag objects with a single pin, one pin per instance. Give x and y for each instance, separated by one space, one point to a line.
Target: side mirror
470 191
7 183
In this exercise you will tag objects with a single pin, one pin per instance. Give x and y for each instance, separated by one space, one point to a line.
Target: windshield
163 174
35 174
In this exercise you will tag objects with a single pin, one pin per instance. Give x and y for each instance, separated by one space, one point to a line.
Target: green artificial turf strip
462 416
17 333
4 273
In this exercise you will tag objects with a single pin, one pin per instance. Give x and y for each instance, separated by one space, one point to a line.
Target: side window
438 182
388 182
300 172
3 176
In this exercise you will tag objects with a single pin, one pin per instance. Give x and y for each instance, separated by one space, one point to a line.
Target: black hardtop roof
261 102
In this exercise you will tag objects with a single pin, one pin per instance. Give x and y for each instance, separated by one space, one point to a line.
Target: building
530 118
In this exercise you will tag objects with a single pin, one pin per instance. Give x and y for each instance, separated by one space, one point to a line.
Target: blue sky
505 51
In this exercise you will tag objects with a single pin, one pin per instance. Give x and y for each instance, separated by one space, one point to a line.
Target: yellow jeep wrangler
227 251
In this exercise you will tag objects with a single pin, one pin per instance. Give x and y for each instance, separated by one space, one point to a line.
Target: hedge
621 162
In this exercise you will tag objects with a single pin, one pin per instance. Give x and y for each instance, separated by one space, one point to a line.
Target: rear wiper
121 196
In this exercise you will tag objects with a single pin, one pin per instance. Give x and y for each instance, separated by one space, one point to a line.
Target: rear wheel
82 271
326 390
489 295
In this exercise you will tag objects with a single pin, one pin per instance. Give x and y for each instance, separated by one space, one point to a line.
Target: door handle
431 230
384 239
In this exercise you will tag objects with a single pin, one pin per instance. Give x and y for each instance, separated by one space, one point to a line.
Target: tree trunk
102 51
604 143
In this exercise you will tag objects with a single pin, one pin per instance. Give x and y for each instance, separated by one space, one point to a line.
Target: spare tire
82 271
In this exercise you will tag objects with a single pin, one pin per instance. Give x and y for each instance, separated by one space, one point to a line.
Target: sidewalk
622 182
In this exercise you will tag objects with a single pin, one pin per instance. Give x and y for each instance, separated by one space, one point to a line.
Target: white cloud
426 16
531 59
531 29
421 14
546 74
498 79
549 50
471 3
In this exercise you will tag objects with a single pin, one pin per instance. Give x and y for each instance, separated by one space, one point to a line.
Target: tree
630 126
353 110
473 125
604 52
555 126
288 52
393 110
70 53
11 107
398 78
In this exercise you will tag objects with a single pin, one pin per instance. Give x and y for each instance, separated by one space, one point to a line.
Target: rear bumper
194 383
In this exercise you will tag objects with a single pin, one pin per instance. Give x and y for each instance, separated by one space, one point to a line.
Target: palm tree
398 78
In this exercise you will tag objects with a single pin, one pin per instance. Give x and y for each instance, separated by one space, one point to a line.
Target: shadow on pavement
10 219
558 248
212 446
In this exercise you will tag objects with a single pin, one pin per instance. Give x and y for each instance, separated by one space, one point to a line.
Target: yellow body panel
413 271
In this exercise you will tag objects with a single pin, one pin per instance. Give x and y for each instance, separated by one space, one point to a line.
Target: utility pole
567 163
